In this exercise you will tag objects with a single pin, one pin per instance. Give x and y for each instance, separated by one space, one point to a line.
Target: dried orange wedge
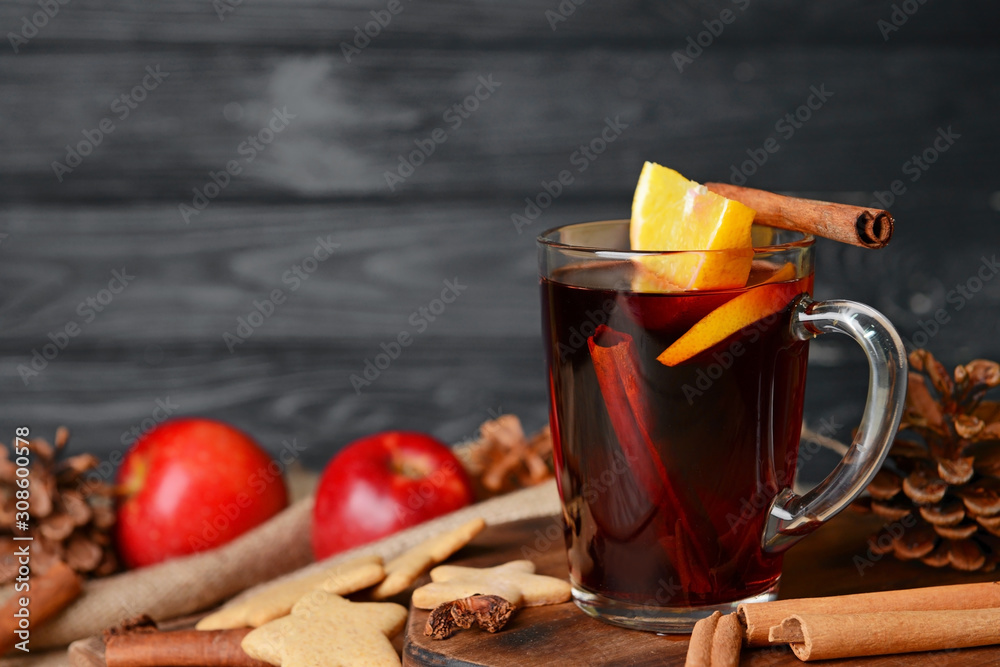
749 307
672 213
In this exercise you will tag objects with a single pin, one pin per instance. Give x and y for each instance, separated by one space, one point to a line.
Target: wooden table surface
827 563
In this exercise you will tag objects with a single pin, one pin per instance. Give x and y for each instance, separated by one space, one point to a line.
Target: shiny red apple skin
192 485
383 483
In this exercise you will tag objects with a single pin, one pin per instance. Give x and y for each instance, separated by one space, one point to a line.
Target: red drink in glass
669 511
676 416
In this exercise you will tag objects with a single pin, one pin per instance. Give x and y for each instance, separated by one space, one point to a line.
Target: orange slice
786 272
672 213
730 317
723 268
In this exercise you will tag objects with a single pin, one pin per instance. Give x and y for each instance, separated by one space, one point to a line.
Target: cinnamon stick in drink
857 225
826 636
618 375
760 617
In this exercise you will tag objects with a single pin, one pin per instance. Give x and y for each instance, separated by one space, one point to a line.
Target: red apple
191 485
383 483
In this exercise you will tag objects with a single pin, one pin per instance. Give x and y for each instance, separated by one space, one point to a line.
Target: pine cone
72 517
945 488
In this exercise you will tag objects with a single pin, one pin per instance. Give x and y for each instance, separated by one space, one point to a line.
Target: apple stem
407 468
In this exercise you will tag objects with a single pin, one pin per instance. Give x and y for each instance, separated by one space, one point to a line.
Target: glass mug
676 480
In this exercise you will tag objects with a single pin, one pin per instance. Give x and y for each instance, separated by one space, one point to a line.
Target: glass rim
807 241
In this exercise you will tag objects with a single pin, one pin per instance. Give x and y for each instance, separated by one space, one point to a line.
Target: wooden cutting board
826 563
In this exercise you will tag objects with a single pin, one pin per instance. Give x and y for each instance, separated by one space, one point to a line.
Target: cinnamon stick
700 647
618 374
727 641
760 617
826 636
857 225
180 648
47 594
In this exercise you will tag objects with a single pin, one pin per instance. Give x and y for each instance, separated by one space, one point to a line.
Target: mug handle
790 516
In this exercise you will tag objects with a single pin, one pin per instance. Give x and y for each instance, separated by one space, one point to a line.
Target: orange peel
753 305
786 272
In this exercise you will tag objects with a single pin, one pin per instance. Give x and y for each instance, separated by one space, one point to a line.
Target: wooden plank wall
201 80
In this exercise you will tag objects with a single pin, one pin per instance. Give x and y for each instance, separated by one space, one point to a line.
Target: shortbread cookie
515 582
326 630
276 601
406 568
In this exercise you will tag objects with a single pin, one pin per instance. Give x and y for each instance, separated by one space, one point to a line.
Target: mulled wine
667 472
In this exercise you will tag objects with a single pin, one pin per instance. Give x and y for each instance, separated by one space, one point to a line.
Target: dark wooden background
323 176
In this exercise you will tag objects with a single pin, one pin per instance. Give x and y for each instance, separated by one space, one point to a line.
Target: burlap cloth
279 547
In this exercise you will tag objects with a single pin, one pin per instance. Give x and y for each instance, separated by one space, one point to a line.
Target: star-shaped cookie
276 601
515 582
326 630
402 571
